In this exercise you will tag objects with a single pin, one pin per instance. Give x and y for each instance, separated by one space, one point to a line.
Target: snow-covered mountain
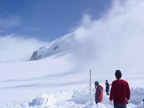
60 46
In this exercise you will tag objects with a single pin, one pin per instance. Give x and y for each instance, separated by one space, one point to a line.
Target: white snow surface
71 99
30 84
60 78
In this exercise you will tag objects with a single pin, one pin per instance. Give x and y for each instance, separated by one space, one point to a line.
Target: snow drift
72 99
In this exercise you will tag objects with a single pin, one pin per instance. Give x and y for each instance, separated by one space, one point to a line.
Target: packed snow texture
73 99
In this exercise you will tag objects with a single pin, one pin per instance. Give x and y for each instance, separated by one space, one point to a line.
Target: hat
96 83
118 74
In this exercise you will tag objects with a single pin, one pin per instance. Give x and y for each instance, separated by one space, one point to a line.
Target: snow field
73 99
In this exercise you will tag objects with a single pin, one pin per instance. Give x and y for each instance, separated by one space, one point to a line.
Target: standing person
107 87
98 92
120 91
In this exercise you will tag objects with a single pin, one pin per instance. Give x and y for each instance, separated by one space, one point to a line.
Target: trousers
119 105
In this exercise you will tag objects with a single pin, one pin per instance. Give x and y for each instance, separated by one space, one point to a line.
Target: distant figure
120 91
107 87
98 92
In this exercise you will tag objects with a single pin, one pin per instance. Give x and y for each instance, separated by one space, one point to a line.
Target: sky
46 20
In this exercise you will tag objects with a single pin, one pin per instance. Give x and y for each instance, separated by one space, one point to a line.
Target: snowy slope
60 46
56 79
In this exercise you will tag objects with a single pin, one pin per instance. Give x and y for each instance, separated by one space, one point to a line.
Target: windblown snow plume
113 41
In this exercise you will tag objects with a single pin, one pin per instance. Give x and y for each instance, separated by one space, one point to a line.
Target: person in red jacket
98 92
120 91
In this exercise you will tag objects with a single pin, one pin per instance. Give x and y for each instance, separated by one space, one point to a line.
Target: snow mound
137 95
72 99
42 100
80 96
93 105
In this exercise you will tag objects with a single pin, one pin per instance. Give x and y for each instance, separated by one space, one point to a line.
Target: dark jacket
99 94
107 87
120 91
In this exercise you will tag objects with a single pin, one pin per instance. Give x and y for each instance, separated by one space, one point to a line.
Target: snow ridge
61 45
73 99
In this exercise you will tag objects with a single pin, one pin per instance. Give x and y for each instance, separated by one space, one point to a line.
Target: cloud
13 47
10 22
115 40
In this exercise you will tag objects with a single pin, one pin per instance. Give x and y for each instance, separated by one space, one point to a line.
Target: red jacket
120 91
99 94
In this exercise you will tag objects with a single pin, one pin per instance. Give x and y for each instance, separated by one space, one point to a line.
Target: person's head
118 74
96 83
106 81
